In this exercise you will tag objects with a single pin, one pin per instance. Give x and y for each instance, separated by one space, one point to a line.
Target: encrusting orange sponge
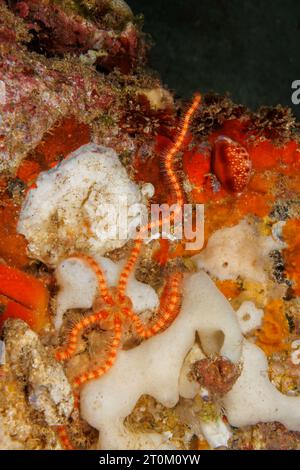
23 296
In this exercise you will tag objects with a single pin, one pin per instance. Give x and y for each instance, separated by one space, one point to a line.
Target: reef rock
49 392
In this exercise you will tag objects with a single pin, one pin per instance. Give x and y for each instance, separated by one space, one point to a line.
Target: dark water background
250 48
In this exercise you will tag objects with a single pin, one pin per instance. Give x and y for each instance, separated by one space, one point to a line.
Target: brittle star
116 307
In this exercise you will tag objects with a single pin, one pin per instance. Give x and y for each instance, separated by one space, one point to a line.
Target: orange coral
64 138
149 169
228 288
235 129
12 245
252 202
28 171
67 136
264 155
26 297
12 309
196 165
273 334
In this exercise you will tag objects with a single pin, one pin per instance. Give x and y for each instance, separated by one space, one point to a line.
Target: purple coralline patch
45 76
57 31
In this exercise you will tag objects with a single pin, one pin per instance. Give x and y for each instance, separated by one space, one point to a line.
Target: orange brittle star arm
124 276
168 164
168 310
69 349
64 438
108 362
169 158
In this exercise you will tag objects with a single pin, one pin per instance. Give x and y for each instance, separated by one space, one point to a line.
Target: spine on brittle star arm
109 361
103 289
169 306
72 341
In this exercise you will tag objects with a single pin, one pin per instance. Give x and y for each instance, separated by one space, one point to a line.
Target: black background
249 48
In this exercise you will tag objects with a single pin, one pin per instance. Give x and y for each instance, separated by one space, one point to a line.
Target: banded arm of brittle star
168 309
69 349
62 431
124 276
106 363
171 174
64 438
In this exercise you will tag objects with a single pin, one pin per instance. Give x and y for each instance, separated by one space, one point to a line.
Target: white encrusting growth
238 251
295 355
85 203
217 433
154 367
255 399
78 287
249 316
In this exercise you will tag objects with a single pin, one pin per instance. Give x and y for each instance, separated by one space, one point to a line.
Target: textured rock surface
68 64
48 390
